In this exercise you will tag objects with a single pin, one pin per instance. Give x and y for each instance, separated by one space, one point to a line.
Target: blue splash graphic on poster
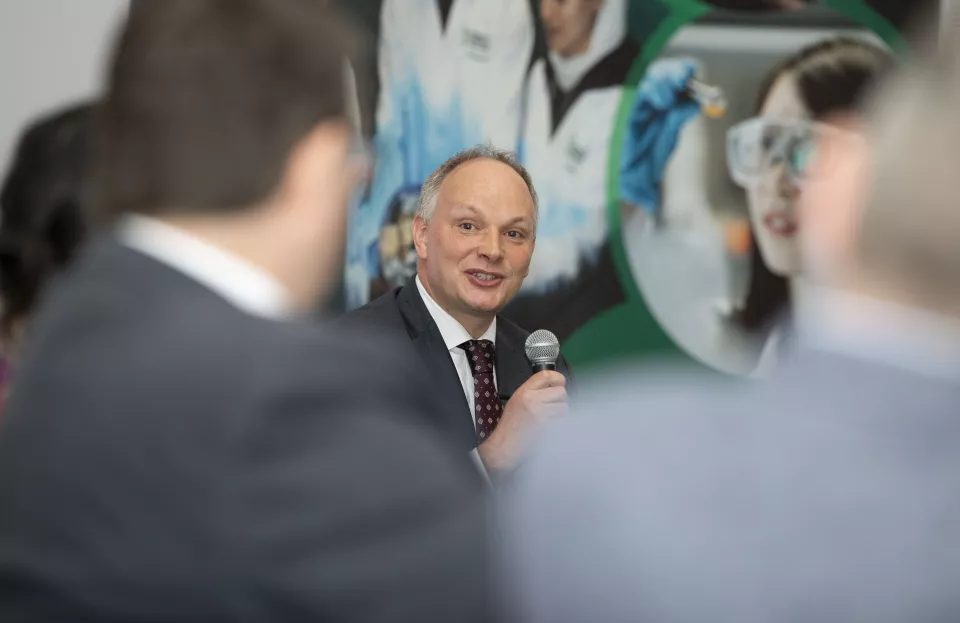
415 141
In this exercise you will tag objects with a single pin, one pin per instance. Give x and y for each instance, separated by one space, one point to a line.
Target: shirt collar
245 286
452 331
880 331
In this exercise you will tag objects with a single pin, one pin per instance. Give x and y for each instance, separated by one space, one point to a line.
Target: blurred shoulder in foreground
828 492
181 442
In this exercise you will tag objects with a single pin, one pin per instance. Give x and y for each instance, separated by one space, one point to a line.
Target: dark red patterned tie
486 409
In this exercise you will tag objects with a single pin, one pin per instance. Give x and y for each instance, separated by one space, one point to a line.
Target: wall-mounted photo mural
667 140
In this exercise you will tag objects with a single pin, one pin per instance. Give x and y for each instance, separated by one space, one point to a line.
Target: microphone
542 348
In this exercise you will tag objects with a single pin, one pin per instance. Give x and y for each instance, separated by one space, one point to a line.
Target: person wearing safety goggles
767 155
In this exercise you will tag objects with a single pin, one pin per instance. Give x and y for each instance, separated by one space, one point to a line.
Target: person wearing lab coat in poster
451 76
573 96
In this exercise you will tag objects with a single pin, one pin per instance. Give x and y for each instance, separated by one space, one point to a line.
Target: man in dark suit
180 443
474 233
830 491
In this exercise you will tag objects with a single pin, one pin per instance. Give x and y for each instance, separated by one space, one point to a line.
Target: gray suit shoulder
815 495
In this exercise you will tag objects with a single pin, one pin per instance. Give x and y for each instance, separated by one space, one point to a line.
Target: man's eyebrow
518 219
467 207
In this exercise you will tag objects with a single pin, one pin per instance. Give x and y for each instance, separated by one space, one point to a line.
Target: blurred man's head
474 232
881 209
227 117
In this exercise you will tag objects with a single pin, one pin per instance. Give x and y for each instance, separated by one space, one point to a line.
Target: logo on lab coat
576 154
477 44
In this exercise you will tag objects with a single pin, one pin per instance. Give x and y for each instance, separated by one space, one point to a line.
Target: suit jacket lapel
512 367
429 344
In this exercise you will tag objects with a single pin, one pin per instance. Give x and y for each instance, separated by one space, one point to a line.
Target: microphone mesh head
542 346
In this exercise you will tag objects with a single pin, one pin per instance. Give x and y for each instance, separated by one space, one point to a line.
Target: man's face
475 251
568 24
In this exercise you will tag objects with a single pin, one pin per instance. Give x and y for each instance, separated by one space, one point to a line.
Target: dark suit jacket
166 457
402 313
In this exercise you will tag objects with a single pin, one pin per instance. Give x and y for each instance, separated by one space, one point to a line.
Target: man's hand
542 398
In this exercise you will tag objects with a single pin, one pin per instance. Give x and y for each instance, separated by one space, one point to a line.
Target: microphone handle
541 366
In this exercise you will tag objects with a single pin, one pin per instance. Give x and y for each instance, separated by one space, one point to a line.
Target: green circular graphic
630 330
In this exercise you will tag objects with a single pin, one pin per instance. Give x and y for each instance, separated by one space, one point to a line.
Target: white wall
51 54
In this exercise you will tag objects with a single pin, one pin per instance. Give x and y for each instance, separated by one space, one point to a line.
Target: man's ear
419 227
835 195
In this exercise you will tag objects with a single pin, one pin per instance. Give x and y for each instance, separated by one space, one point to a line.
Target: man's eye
515 234
466 226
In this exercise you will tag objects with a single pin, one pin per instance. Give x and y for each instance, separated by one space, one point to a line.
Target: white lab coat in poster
571 110
569 171
443 87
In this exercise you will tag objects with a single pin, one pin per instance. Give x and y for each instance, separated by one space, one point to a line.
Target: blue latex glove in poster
661 108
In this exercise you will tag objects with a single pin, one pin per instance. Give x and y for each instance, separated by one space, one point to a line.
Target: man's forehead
483 173
472 185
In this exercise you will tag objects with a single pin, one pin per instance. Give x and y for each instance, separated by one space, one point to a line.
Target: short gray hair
430 191
910 230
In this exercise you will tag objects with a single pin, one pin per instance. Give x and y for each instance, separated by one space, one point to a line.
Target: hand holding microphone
541 398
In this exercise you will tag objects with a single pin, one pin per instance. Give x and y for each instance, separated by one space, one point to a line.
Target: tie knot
481 355
472 346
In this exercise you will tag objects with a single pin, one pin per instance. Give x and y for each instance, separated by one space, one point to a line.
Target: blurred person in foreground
828 492
474 232
43 219
181 443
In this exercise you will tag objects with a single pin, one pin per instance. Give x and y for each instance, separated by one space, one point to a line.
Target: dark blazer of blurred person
43 217
179 445
829 492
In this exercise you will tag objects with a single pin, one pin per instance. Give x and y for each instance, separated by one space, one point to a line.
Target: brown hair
206 99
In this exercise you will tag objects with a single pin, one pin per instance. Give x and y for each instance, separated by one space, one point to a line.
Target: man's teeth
484 276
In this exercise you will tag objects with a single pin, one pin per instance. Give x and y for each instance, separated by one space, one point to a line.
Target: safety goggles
757 145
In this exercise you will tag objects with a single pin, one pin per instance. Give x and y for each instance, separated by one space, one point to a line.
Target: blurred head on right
229 117
880 208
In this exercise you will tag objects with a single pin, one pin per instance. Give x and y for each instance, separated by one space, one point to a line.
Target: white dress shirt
453 335
243 285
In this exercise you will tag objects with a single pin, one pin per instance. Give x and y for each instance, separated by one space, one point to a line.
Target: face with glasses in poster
770 155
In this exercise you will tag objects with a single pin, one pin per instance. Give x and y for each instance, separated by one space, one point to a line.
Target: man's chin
490 301
485 307
490 304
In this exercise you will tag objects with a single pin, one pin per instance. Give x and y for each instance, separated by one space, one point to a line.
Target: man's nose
491 246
